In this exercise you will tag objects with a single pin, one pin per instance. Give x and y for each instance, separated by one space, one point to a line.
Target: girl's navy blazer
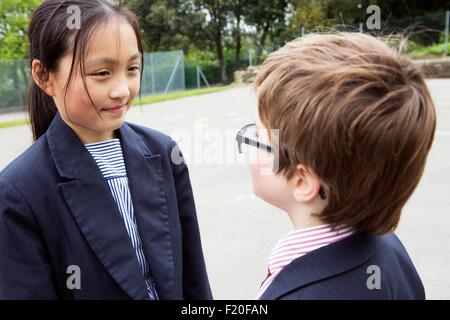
57 212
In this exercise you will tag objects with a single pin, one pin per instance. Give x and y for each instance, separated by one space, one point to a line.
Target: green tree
269 19
312 13
217 21
169 24
239 9
14 19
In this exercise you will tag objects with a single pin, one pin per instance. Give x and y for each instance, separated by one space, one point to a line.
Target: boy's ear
305 184
44 80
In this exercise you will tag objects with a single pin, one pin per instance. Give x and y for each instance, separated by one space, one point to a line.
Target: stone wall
246 76
435 68
432 68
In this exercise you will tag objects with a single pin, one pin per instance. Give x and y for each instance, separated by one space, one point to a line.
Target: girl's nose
120 90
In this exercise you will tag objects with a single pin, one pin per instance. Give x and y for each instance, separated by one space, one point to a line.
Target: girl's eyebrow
110 61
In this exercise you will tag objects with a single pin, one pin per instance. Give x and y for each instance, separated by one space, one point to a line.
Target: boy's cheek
261 171
271 188
262 159
257 180
264 185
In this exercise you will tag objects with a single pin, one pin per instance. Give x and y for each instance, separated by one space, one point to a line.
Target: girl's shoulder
30 174
157 141
33 159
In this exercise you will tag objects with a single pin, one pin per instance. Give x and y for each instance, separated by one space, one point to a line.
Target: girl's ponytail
47 44
41 109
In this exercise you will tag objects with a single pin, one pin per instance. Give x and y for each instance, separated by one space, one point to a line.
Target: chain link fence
14 79
164 72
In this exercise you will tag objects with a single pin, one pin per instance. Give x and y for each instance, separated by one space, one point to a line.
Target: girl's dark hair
51 38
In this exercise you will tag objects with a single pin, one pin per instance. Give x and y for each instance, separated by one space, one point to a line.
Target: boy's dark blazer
344 270
56 211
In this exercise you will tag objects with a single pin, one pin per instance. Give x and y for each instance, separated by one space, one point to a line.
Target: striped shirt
109 158
296 244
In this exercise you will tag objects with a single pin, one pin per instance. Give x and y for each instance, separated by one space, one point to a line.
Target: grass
181 94
14 123
433 51
145 100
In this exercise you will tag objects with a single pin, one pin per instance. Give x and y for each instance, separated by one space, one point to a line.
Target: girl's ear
305 184
43 79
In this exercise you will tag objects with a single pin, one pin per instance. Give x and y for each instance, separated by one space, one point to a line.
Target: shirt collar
302 241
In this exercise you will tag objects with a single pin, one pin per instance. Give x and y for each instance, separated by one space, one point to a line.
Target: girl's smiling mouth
115 109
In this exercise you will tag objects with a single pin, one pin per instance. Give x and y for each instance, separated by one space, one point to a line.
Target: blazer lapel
322 263
145 177
91 203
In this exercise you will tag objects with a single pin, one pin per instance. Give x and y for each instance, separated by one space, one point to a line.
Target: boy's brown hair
358 114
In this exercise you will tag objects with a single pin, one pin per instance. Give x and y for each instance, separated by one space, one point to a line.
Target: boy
355 123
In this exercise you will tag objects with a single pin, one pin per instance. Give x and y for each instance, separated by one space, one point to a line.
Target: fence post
447 18
203 76
183 75
200 74
197 73
173 74
152 70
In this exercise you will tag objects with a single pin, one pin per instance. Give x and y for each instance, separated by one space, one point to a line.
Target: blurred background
207 52
201 43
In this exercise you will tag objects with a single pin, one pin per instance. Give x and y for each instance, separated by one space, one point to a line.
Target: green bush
210 67
434 50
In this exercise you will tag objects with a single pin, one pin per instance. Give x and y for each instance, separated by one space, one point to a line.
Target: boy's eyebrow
110 61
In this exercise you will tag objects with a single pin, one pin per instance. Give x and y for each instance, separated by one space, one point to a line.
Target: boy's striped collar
298 243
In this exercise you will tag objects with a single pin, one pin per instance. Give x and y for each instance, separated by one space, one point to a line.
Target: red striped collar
300 242
297 243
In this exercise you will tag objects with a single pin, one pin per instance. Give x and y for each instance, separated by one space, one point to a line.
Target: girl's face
112 73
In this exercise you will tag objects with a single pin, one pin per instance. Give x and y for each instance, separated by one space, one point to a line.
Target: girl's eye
101 74
106 73
135 68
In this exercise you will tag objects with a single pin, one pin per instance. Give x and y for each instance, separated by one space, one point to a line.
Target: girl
95 208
